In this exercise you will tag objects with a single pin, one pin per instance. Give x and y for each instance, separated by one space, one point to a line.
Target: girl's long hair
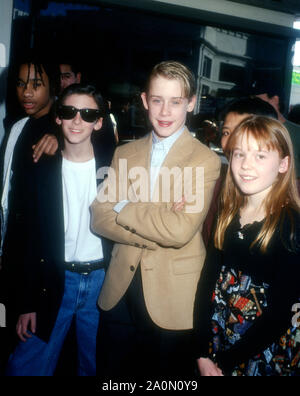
270 134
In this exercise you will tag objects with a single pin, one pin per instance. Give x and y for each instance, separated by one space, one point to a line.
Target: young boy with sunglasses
149 290
64 262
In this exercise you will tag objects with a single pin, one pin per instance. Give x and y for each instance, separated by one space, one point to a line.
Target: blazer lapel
180 150
138 170
142 154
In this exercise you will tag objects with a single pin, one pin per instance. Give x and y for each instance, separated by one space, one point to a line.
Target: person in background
123 120
238 110
243 313
231 116
63 264
70 73
270 93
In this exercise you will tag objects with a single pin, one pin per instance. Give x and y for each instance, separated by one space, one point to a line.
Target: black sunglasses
69 112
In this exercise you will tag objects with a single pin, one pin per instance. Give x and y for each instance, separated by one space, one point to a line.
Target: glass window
204 91
232 73
206 72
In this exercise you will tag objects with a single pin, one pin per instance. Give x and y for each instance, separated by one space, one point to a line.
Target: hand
208 368
48 144
23 323
178 206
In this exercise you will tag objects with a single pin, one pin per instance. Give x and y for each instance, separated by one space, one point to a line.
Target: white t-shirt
79 191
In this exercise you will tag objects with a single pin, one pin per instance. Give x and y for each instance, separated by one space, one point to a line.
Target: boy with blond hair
148 295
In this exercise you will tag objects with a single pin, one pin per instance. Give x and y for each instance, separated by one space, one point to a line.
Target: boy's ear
192 103
98 124
144 99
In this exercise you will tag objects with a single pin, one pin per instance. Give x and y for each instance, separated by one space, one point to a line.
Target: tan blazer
168 245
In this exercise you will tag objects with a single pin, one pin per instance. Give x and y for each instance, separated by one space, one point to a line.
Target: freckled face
255 169
167 107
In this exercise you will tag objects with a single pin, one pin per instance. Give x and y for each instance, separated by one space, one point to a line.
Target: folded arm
104 216
149 224
158 222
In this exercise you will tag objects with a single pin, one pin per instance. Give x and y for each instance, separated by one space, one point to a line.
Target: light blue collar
168 142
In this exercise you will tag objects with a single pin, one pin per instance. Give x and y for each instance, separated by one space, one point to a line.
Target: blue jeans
38 358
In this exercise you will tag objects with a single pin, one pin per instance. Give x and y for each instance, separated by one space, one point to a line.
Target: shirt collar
168 142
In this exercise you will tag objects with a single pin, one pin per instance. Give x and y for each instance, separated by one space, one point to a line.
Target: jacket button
133 231
126 228
42 260
136 245
132 268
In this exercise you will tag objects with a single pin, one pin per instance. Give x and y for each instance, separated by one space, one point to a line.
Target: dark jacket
14 241
43 273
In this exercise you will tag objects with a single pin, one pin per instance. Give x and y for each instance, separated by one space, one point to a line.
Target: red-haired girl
250 282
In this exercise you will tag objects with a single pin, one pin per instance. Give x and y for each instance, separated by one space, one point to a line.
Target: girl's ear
98 124
58 121
144 99
284 164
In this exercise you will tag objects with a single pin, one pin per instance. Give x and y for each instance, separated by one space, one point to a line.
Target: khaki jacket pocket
187 265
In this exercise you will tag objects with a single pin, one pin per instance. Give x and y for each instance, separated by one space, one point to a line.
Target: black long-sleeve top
278 270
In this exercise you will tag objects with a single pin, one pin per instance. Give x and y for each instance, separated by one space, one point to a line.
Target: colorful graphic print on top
237 304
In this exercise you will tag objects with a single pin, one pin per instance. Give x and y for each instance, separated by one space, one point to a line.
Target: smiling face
167 106
76 131
33 91
254 168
